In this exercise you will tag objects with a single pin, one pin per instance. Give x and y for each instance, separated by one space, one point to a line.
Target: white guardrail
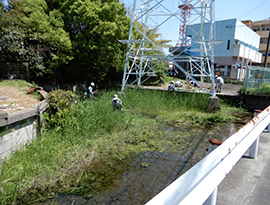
197 186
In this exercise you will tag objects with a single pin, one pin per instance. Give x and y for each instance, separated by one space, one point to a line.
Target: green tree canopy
95 27
34 36
71 39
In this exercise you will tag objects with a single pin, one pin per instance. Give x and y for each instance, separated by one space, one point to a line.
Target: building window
228 44
264 41
256 29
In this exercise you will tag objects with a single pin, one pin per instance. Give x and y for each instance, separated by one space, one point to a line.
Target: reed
68 157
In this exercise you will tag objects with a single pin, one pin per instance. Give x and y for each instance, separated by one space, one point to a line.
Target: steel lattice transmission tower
193 52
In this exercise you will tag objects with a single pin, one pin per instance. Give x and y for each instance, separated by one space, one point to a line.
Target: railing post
268 128
256 112
253 150
211 200
213 144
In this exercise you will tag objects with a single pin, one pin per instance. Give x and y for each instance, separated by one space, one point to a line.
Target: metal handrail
197 184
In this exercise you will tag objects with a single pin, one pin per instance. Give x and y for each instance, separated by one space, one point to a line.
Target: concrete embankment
19 128
229 92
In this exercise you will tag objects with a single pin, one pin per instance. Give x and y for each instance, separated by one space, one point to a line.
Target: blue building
236 46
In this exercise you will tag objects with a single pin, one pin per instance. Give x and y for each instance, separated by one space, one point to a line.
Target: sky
224 9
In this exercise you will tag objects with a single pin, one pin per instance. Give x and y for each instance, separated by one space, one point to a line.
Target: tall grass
14 83
67 158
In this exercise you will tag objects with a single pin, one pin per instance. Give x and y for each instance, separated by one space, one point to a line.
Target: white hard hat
216 76
92 84
172 82
115 96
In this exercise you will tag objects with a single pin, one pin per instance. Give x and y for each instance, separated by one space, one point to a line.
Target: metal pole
267 48
212 38
253 150
211 199
128 47
213 144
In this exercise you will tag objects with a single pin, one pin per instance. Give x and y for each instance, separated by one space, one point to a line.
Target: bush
263 89
230 81
61 105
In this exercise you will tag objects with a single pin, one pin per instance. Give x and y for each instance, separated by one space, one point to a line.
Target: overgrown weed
14 83
72 155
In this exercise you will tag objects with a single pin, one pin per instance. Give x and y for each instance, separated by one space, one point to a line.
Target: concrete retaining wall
254 102
19 128
16 137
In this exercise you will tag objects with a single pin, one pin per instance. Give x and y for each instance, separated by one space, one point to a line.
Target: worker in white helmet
116 103
178 83
90 88
172 87
219 83
192 83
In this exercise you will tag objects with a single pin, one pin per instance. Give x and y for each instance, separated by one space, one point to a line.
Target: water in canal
151 172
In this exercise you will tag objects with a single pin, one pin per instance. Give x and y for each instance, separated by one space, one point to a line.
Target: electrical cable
254 9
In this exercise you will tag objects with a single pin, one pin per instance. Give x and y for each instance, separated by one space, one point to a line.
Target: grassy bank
76 155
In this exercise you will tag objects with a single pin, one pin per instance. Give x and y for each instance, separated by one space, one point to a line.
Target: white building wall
234 39
245 34
225 35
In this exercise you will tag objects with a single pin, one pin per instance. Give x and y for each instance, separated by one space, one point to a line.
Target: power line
254 9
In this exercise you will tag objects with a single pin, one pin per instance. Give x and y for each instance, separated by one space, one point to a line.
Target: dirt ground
228 89
13 99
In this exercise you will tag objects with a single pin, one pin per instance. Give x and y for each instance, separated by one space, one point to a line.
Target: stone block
214 104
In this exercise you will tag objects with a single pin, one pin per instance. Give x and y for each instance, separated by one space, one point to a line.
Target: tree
34 36
95 27
152 34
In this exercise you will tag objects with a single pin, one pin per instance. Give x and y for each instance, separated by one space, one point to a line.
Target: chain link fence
257 81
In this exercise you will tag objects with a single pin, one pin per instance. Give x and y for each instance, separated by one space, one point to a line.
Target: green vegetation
230 81
63 38
75 154
264 89
33 36
14 83
61 106
22 85
67 40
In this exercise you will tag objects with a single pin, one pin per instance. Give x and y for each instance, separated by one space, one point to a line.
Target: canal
150 172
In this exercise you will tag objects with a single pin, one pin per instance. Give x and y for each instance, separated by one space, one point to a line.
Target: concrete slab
248 183
3 115
214 104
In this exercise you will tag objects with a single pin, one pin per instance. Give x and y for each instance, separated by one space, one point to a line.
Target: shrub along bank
84 150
